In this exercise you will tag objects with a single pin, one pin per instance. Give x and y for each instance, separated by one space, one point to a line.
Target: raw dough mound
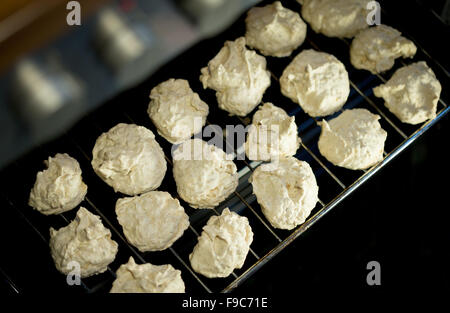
273 133
152 221
354 139
203 173
222 246
147 278
129 159
60 187
238 76
411 94
336 18
85 241
286 190
177 111
274 30
375 49
317 81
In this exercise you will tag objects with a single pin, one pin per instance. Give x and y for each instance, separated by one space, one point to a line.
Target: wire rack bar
138 255
239 196
251 250
413 39
67 221
249 167
249 206
190 270
257 216
323 166
400 132
9 281
312 220
16 208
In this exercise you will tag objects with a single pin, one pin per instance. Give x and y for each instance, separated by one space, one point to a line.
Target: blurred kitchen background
52 73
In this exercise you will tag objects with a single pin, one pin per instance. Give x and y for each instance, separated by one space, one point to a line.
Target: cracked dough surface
376 48
86 241
336 18
177 111
147 278
60 187
273 133
238 76
129 159
412 93
204 174
274 30
286 190
222 246
317 81
354 139
152 221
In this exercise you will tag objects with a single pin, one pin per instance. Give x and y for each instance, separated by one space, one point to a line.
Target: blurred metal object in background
46 97
117 42
211 16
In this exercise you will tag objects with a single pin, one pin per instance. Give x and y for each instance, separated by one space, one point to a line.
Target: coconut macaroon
60 187
204 174
177 111
85 242
152 221
238 76
129 159
317 81
354 139
336 18
274 30
147 278
286 190
375 49
412 93
222 246
273 134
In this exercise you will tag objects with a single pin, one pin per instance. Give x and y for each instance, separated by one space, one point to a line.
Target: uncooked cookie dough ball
205 175
85 242
274 30
375 49
273 134
286 190
354 139
152 221
129 159
238 76
60 187
317 81
177 111
336 18
147 278
222 246
411 94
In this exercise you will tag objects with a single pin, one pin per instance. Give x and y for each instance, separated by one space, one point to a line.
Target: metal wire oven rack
335 184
